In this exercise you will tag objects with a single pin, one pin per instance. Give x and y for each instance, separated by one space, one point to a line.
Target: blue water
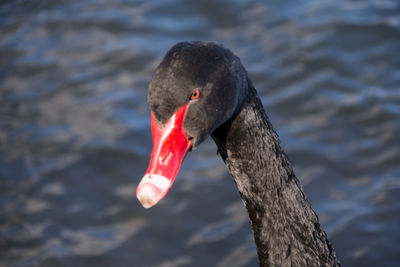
75 130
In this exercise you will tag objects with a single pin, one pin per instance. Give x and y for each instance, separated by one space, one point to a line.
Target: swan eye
195 94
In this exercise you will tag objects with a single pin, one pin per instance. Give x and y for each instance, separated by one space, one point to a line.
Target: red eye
195 94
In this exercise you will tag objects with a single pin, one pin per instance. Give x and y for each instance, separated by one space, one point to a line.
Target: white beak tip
152 189
147 196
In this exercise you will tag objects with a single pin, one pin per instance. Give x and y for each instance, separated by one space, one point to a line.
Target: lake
75 136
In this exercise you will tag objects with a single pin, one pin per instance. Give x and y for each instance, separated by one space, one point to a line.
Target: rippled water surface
75 132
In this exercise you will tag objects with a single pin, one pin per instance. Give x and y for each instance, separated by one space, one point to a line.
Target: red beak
170 145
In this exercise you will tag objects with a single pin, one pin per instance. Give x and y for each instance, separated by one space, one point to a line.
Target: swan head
207 68
194 90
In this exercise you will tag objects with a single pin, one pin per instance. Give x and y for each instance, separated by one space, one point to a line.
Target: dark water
75 132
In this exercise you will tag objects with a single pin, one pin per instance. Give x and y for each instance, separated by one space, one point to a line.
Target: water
75 132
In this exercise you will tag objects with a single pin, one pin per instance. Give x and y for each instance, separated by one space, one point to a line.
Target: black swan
202 89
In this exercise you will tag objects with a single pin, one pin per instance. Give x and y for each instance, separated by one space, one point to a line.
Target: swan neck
286 229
